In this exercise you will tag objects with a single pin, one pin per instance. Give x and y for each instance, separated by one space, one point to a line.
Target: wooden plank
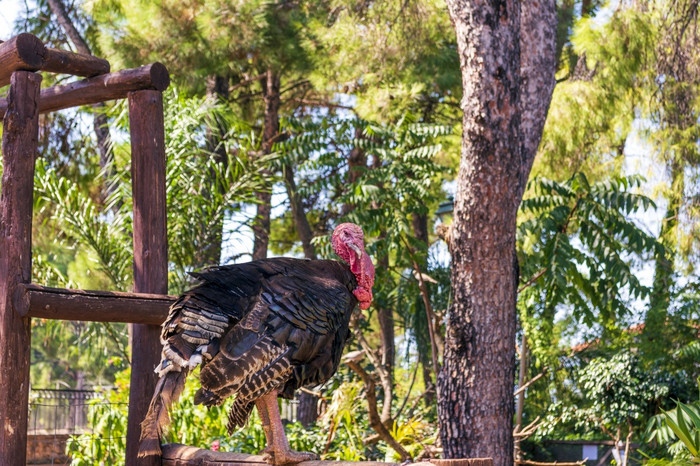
175 454
150 252
76 64
19 146
101 88
95 306
22 52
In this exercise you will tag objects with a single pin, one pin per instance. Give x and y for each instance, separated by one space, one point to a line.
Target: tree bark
420 230
357 161
301 222
386 328
307 410
261 227
505 98
217 92
100 122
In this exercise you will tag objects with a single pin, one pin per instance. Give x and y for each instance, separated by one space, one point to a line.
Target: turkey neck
363 269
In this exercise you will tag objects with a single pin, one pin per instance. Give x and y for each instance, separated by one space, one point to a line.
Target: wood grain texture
27 52
101 88
95 306
150 252
22 52
175 454
19 146
76 64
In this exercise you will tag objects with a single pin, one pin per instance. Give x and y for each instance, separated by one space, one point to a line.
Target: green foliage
678 428
576 242
614 397
623 69
83 223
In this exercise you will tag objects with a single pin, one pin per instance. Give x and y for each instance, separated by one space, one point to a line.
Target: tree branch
374 419
531 381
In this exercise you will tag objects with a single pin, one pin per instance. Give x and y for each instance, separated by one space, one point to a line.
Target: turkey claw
280 457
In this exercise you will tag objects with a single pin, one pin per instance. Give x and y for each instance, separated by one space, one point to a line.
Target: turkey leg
265 419
278 451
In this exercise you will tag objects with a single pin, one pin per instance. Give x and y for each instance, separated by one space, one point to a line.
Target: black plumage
273 324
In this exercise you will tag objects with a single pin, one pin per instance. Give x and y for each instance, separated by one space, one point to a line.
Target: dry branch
374 419
530 382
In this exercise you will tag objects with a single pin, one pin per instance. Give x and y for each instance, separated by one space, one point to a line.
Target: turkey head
348 242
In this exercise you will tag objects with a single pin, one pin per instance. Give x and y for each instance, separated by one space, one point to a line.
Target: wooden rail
175 454
96 306
101 88
76 64
28 53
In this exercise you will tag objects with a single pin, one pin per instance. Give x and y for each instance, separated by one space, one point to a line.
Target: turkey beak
356 248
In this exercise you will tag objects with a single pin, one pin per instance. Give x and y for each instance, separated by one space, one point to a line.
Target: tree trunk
475 386
307 410
357 161
217 92
386 329
261 227
100 122
420 230
301 222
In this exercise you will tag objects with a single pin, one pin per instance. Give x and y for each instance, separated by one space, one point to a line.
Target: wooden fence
20 60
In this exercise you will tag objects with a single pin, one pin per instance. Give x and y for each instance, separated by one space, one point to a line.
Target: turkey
260 330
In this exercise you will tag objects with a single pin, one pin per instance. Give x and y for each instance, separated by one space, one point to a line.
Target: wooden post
19 146
150 250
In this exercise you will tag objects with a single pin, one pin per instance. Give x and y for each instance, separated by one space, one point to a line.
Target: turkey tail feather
167 391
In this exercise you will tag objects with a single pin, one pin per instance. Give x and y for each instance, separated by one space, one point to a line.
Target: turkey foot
277 451
288 456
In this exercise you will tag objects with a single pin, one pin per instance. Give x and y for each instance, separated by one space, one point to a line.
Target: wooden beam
101 88
150 252
76 64
95 306
19 146
27 52
175 454
22 52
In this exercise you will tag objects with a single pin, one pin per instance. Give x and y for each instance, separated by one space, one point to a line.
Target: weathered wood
22 52
27 52
175 454
19 145
76 64
95 306
150 251
101 88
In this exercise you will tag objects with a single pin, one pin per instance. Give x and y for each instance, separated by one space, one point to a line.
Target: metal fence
64 411
57 415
